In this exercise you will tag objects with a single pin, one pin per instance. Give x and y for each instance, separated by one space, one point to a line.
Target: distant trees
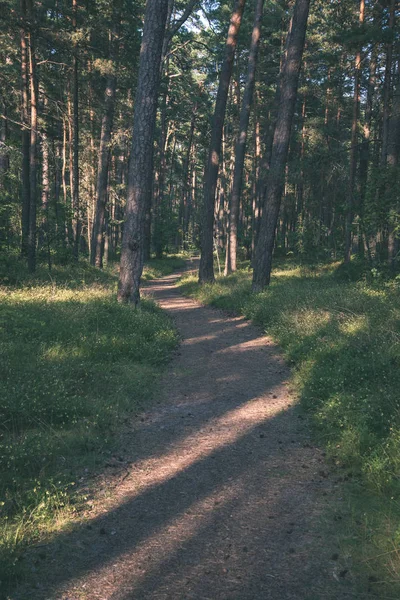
246 153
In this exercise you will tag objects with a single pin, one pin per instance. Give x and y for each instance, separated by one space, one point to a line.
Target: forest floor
221 494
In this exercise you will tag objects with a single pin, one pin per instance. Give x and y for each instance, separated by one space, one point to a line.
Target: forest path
223 496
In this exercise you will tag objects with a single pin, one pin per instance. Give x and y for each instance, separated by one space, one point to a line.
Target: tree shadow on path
224 494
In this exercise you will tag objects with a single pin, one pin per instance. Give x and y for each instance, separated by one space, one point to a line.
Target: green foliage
160 267
73 363
343 339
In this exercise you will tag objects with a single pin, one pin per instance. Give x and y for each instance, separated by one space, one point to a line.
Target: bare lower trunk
287 100
393 150
353 146
186 185
104 160
32 154
75 160
141 159
242 139
25 134
206 270
387 85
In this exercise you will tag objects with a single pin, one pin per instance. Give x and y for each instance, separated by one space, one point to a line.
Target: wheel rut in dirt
223 494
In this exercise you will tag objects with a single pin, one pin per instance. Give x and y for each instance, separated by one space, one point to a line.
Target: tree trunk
280 146
242 139
206 270
25 132
45 188
75 160
353 146
33 88
104 155
182 225
141 159
393 149
158 213
387 85
365 147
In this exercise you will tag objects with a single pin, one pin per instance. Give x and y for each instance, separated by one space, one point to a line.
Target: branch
185 15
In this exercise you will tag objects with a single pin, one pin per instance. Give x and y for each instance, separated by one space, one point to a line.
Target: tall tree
104 145
206 270
353 143
75 139
242 139
280 146
33 88
141 158
25 128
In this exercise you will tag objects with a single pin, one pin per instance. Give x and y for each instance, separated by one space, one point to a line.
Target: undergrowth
73 364
342 338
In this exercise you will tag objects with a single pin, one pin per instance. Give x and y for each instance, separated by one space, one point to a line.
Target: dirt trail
222 495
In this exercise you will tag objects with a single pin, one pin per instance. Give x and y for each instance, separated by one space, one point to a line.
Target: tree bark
141 159
393 149
25 134
33 88
387 85
353 146
75 160
242 139
280 146
206 270
104 154
183 221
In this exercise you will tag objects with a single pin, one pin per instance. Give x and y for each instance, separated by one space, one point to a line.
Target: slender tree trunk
64 181
45 186
280 145
25 133
365 147
4 168
393 150
242 139
206 271
4 157
75 145
33 88
141 160
255 213
160 195
387 85
104 155
353 146
182 226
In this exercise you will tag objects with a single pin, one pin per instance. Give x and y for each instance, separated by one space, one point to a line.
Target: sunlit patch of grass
160 267
73 364
343 338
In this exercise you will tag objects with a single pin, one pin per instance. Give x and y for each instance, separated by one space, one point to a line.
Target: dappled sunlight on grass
343 339
73 363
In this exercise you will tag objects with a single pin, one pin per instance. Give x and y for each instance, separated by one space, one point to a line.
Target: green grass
160 267
73 364
342 338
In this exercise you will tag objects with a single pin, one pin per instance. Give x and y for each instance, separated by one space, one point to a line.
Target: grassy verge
73 363
343 340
